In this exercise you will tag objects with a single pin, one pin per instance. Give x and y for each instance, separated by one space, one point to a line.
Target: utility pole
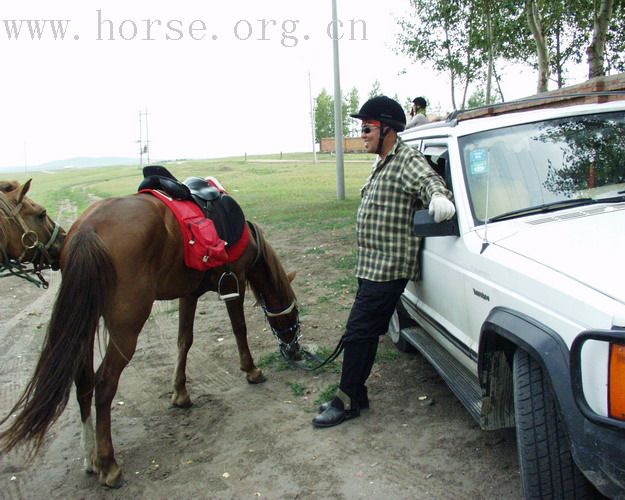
338 115
144 148
147 137
140 144
312 120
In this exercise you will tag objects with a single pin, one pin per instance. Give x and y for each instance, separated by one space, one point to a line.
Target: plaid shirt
398 185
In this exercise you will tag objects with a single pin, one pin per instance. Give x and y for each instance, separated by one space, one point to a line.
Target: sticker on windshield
478 161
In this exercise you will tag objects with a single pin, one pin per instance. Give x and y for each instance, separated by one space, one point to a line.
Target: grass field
280 190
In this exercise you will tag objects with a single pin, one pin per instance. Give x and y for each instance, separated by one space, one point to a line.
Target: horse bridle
41 259
294 329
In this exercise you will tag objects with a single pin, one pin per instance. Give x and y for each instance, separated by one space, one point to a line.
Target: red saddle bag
203 248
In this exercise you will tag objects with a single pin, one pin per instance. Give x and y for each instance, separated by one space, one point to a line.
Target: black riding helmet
387 111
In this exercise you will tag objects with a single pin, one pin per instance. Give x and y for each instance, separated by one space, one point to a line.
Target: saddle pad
203 248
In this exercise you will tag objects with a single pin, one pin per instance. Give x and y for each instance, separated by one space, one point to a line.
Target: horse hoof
181 402
88 466
113 479
256 377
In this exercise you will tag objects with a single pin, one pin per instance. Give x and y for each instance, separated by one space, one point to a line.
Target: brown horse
120 256
27 234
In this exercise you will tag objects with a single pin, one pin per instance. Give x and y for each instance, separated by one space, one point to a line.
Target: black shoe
334 416
364 405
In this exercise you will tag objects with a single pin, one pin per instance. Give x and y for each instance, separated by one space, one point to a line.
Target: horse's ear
24 190
291 276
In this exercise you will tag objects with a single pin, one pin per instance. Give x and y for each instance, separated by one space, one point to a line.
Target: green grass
327 394
276 362
288 193
297 389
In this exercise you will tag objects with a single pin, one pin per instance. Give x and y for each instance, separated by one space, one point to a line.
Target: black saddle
220 207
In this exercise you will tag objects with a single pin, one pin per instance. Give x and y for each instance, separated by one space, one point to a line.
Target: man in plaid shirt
401 182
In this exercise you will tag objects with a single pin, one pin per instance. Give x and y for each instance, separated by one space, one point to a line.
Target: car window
527 165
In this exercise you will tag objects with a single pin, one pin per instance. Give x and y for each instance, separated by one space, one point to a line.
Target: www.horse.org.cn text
287 32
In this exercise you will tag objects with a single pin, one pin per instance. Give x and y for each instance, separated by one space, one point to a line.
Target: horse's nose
293 352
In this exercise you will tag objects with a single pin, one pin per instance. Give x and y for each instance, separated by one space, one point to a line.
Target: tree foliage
324 113
376 90
468 40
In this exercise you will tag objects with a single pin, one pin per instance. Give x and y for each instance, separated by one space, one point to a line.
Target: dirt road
239 441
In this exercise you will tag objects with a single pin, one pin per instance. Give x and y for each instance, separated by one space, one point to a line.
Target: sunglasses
368 128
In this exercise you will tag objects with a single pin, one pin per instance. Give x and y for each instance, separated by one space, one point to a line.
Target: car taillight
616 383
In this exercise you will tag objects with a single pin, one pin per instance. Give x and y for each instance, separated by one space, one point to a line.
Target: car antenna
485 241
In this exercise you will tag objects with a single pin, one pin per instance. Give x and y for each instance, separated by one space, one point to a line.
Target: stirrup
228 296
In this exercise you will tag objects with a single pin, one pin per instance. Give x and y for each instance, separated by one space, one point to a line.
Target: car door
439 296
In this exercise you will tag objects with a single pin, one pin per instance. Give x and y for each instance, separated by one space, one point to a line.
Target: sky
215 78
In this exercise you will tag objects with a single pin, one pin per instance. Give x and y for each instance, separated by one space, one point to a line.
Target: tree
324 115
596 49
568 30
478 98
537 27
445 33
353 106
466 40
615 40
375 90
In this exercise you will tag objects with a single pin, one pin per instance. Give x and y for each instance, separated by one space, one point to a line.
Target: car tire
399 320
545 460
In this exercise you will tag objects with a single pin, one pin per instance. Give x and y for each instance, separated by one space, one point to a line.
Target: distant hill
79 162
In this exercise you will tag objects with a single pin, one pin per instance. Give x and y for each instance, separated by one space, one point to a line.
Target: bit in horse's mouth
293 353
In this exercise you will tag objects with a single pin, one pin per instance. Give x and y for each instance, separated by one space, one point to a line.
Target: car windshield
547 165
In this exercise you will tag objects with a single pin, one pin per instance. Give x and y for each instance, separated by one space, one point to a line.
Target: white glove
441 208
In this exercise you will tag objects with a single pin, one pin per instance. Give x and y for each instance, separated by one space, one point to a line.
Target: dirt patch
244 441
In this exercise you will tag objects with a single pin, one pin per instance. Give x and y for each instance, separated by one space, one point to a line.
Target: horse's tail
88 277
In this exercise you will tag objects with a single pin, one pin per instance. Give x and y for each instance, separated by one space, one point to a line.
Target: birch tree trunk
596 49
535 25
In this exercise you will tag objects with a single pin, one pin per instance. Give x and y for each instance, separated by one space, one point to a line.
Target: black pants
369 318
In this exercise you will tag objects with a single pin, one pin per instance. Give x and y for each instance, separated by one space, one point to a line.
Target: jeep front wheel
400 320
545 460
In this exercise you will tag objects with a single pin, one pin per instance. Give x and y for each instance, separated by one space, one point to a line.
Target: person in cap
417 113
401 181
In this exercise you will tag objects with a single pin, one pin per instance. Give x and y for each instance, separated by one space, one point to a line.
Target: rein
41 258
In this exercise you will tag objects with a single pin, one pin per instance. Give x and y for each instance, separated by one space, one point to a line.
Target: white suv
521 302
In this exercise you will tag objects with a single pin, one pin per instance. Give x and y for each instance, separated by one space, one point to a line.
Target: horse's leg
84 393
237 319
121 347
186 314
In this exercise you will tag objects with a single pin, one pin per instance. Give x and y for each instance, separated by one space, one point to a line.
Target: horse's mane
4 236
276 274
5 187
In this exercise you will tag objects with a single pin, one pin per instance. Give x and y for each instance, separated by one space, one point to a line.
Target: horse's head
284 322
271 285
29 233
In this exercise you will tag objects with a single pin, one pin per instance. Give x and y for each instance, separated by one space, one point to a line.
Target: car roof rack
536 102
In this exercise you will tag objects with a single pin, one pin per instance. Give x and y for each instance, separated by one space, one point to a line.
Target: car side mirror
423 224
592 346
